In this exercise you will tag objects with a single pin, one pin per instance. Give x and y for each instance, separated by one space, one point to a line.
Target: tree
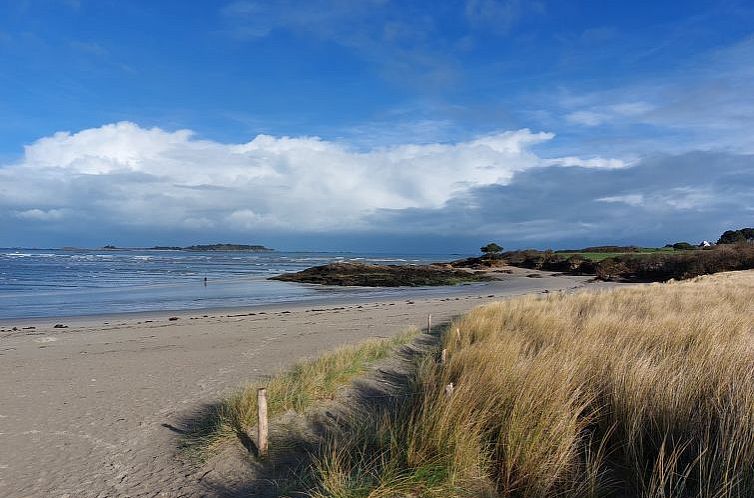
735 236
491 250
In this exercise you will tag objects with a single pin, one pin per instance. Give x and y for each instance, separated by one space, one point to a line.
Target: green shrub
736 236
683 246
659 267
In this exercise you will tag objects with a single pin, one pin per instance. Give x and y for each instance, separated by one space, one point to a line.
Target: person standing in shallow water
205 281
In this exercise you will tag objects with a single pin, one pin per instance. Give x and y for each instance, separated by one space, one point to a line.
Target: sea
63 283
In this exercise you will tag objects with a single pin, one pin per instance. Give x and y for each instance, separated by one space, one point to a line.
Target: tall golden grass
298 389
643 391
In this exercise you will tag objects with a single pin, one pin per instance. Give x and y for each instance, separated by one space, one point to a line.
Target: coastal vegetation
360 274
737 236
682 246
615 263
681 260
491 250
598 253
642 391
299 389
655 266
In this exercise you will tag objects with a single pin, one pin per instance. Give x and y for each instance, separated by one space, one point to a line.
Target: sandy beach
96 408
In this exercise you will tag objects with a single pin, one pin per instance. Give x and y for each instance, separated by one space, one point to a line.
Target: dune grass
299 389
638 392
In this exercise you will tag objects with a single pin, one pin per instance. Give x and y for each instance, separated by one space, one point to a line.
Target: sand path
92 409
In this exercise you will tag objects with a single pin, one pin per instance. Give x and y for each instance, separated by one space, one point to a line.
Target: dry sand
95 409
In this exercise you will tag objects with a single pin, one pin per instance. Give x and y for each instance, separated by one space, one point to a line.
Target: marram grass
637 392
298 389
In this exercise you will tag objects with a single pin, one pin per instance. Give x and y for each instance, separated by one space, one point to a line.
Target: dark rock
360 274
480 263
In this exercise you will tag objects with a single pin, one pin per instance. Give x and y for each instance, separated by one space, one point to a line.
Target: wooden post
458 334
444 356
429 323
262 422
449 390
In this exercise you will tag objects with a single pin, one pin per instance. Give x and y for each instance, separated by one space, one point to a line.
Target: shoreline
56 285
361 295
116 397
304 302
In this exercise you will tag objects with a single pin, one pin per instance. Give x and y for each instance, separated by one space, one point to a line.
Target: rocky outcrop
360 274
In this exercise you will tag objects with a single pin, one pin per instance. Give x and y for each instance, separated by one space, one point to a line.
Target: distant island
196 248
216 247
228 247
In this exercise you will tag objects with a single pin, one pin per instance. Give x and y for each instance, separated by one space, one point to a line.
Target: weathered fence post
429 323
262 422
458 334
444 356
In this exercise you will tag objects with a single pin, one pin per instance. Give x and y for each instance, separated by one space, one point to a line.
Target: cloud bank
662 199
125 174
122 177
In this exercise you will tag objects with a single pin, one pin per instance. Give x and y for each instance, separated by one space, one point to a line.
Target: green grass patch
299 389
599 256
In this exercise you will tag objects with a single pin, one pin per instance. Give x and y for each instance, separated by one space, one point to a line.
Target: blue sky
377 124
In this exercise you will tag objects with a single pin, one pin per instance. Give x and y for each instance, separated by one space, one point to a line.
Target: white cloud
655 200
122 174
598 115
592 162
40 214
675 199
630 108
586 118
705 103
685 198
630 199
103 150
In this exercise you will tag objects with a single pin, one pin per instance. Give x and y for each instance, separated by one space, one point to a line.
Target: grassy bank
599 256
644 391
648 265
299 389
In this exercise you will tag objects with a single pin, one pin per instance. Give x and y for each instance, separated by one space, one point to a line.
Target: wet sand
95 409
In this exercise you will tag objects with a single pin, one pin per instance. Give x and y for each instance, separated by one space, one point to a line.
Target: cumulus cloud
41 215
124 178
123 174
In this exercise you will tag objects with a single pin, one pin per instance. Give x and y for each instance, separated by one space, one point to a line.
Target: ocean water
51 283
